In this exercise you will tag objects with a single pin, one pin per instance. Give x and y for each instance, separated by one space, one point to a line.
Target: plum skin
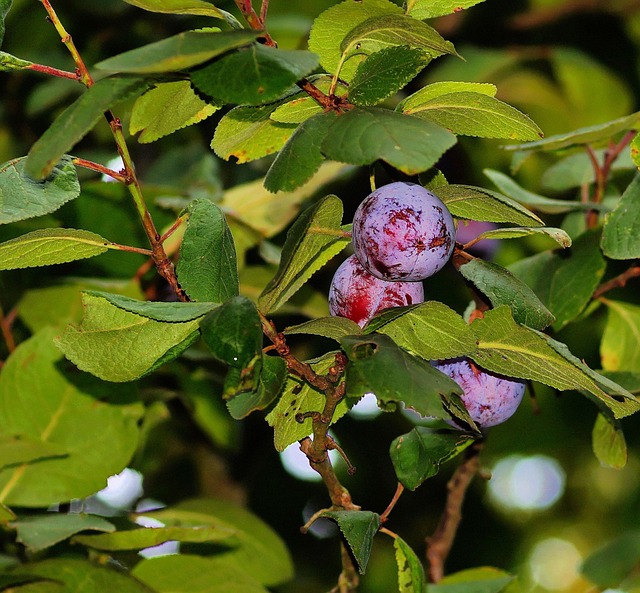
402 231
490 399
357 295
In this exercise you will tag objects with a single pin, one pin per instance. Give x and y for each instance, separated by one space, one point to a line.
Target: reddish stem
49 70
619 281
385 516
100 169
5 327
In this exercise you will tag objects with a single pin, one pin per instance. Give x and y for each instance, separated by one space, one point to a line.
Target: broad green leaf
417 455
513 350
501 287
207 269
19 448
6 514
613 562
333 328
430 330
37 400
620 345
195 574
5 5
198 7
609 444
259 552
628 380
621 233
475 203
273 71
476 114
411 577
437 89
9 63
37 532
564 280
46 247
298 398
479 580
117 345
359 529
300 157
384 73
311 242
77 120
365 134
22 197
558 235
428 9
248 133
179 52
167 107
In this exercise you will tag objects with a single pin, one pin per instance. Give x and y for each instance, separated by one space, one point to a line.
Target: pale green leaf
198 7
9 62
620 344
485 579
19 448
621 233
411 577
608 442
428 9
437 89
558 235
634 150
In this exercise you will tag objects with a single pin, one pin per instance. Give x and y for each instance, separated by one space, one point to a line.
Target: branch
5 328
619 281
254 21
100 169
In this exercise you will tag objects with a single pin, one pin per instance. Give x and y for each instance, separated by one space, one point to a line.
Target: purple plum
358 295
402 231
489 398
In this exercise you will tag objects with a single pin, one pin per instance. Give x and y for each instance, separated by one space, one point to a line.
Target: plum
357 295
489 398
402 231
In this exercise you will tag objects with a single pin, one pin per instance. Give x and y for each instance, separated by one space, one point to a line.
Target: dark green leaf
474 580
207 269
428 9
621 233
329 327
5 5
78 119
359 529
364 135
417 455
22 197
609 444
614 561
411 577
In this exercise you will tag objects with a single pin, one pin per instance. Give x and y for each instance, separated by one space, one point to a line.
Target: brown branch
620 281
385 516
5 327
440 543
100 169
254 21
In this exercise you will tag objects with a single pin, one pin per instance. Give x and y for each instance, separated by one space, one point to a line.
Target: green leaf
46 247
247 133
516 351
365 134
558 235
384 73
479 580
475 203
311 242
273 71
198 7
359 529
300 157
22 197
19 448
207 269
609 444
77 120
430 330
614 561
418 455
620 345
411 577
299 397
621 232
634 150
564 280
301 106
437 89
117 345
38 532
333 328
428 9
501 287
9 63
179 52
167 107
37 400
259 552
5 5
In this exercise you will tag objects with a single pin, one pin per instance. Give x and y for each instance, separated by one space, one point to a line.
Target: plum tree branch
619 281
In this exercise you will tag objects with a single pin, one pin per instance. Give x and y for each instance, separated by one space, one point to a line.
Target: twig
619 281
100 169
385 516
49 70
5 327
254 21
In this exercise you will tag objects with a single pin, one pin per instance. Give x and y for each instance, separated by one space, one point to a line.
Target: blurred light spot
115 164
526 483
554 564
367 408
296 463
122 490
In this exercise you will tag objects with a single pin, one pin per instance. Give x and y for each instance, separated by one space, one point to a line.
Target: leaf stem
385 516
49 70
100 169
130 249
5 326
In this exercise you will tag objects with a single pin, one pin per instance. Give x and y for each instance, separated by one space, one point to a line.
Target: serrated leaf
198 7
621 232
301 106
437 89
428 9
77 120
248 133
20 448
516 351
558 235
365 134
359 529
178 52
608 442
9 63
311 242
620 344
207 269
117 345
167 107
501 287
300 157
430 330
273 71
417 455
564 280
22 197
333 328
485 579
475 203
37 400
46 247
411 577
385 73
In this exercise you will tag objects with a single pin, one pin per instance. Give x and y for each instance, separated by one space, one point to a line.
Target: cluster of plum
402 234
